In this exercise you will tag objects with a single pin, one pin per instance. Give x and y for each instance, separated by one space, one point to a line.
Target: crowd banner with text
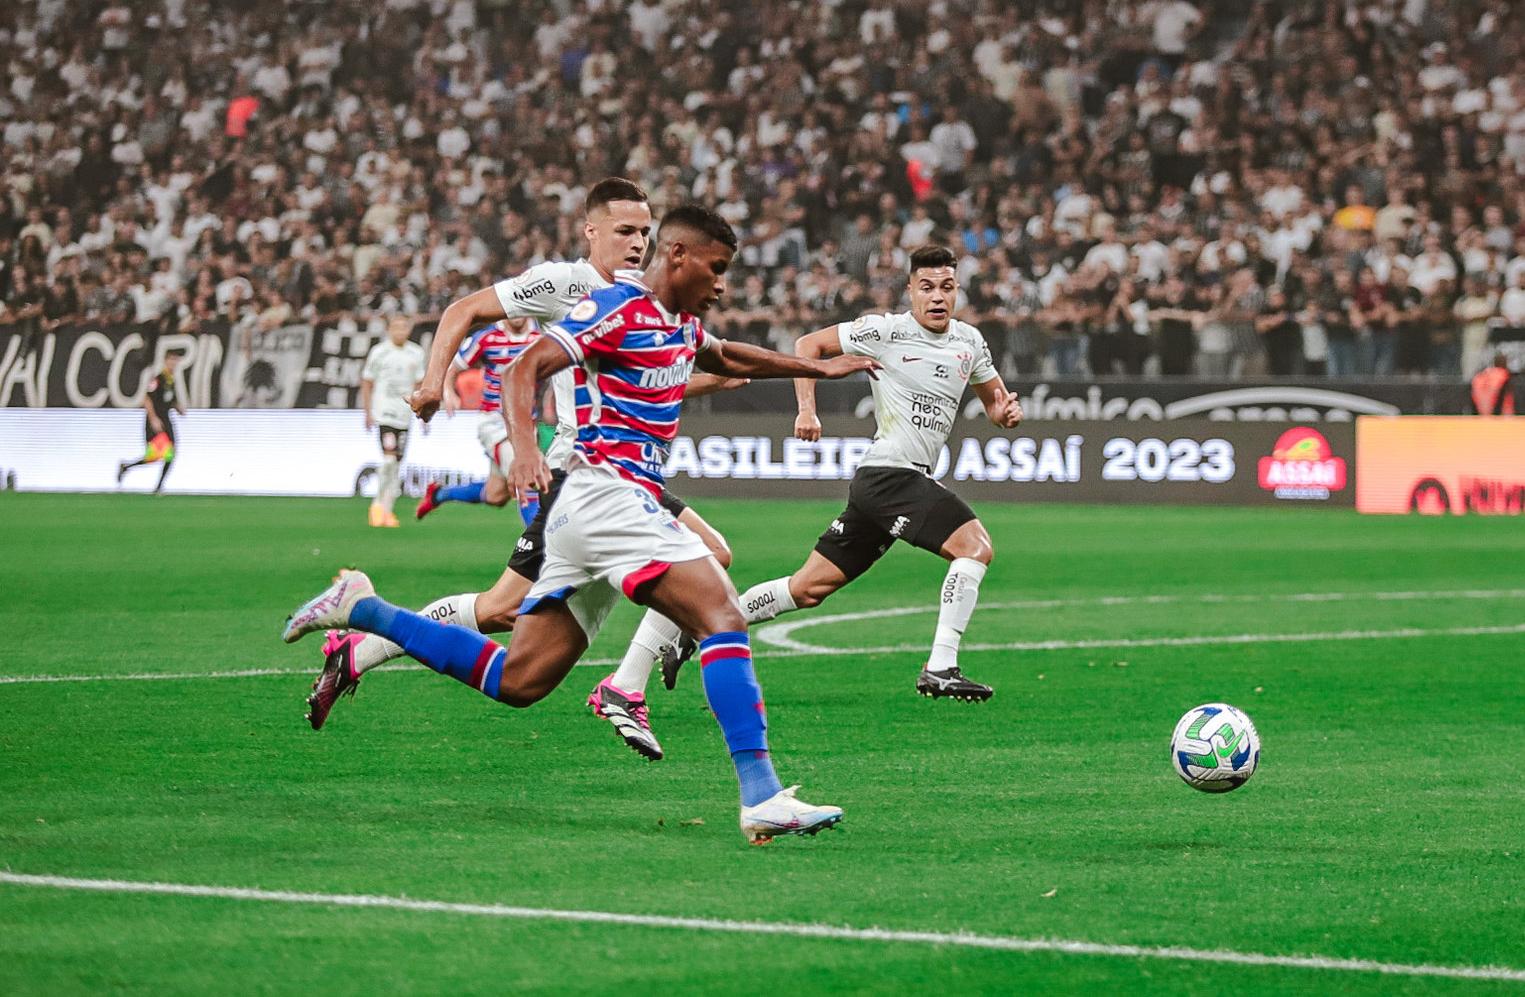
1437 465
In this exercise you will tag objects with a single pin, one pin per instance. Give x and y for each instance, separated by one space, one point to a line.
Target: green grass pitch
1384 824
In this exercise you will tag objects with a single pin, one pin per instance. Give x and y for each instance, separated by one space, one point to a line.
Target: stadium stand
1219 187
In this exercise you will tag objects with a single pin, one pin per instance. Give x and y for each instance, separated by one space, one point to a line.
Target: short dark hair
700 219
612 189
931 257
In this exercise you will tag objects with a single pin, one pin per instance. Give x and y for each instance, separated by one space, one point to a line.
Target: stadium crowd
1134 186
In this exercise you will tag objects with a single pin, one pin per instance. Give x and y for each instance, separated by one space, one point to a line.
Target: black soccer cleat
337 678
674 657
953 684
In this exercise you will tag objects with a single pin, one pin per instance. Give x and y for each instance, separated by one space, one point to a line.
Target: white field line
782 645
779 634
785 928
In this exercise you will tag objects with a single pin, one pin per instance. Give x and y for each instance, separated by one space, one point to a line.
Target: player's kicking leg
656 640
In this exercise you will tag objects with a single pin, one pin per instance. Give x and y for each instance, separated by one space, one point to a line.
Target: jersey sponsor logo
579 289
907 358
837 527
667 377
862 332
532 291
583 310
898 336
524 544
898 527
765 599
608 325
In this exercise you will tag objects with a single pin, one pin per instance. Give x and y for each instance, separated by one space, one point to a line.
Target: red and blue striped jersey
632 363
493 348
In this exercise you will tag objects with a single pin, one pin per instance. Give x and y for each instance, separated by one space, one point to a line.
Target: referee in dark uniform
158 431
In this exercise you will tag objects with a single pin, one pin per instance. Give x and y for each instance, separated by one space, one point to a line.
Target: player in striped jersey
617 226
491 348
635 344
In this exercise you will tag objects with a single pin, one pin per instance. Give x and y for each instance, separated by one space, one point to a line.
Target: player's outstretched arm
819 345
521 379
1003 408
734 359
461 316
710 384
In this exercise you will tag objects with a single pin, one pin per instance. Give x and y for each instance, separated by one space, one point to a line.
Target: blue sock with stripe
530 510
731 688
463 654
471 491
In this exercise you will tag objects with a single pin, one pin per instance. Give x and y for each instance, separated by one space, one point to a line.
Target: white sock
459 610
765 600
655 633
387 483
961 590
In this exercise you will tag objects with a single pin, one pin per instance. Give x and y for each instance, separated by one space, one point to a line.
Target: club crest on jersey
965 365
583 310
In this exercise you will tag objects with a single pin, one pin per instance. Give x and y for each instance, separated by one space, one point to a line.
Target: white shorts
606 536
492 433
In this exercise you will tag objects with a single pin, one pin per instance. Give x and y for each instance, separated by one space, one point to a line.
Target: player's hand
425 401
529 473
847 364
369 422
1008 415
731 383
452 404
807 427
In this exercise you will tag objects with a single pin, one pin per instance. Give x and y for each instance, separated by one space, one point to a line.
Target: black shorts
529 549
885 504
392 440
671 503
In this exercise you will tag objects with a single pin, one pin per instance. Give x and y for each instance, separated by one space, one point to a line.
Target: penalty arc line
798 650
785 928
777 635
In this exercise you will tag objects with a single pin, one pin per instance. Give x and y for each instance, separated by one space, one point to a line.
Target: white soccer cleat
329 609
781 813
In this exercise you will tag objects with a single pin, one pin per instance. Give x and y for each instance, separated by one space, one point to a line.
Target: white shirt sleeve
984 367
866 336
372 364
536 293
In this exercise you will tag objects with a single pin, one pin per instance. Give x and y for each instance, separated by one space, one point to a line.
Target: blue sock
463 654
530 511
471 491
734 696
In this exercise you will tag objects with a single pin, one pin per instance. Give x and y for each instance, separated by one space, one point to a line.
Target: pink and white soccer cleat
329 609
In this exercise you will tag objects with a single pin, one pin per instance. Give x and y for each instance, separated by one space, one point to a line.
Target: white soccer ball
1215 748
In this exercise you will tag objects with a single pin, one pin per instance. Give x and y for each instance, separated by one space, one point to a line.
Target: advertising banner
328 452
1435 466
229 452
1180 462
1310 400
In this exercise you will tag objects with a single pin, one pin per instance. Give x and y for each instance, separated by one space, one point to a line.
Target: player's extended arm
461 316
821 344
521 379
746 360
709 384
1003 408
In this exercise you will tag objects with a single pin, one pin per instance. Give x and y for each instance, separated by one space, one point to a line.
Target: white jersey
917 394
546 292
394 372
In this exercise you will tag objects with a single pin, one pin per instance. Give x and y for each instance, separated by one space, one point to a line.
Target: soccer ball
1215 748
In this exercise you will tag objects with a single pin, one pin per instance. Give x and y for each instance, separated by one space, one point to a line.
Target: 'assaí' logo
1302 466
